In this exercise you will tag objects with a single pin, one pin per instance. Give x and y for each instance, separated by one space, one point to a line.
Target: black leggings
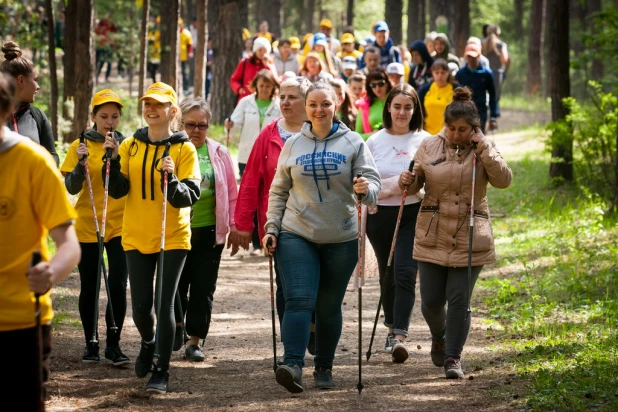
200 274
255 237
117 279
142 269
398 291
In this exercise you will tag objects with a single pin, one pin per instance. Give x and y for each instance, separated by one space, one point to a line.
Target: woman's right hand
111 143
270 248
406 179
228 124
82 153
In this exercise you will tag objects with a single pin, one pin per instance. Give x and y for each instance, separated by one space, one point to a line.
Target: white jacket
247 117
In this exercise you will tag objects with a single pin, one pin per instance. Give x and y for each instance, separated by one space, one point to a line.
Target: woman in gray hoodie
311 221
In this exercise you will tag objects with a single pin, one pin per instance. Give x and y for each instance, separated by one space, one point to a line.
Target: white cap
349 62
261 43
395 68
288 75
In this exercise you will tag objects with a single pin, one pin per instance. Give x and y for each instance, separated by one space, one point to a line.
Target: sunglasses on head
192 126
381 83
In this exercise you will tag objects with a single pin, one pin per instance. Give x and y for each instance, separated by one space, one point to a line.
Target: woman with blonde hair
313 68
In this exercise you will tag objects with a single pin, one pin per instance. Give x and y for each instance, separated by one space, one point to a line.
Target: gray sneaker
194 353
323 378
388 346
290 377
399 352
452 369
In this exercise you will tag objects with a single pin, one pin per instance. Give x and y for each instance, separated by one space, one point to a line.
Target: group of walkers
304 173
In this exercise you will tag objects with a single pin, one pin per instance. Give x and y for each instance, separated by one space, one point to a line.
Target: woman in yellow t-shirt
137 173
33 203
436 95
106 112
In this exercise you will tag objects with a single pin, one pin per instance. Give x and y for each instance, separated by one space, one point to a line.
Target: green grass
521 102
551 301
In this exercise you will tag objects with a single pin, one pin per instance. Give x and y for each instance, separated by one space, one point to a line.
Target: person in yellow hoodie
106 112
154 48
33 204
137 173
186 53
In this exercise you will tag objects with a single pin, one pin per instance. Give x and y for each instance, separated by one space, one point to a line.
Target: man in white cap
395 73
348 67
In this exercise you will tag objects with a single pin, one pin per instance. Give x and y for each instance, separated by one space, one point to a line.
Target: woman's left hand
361 186
477 136
167 165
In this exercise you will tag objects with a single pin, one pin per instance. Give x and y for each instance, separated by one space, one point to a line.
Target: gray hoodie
291 64
312 192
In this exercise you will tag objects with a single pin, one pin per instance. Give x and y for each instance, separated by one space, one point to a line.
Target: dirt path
238 372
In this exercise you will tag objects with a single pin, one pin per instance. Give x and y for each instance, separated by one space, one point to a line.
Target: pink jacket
259 174
363 105
226 190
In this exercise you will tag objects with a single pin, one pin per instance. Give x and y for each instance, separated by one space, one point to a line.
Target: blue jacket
480 81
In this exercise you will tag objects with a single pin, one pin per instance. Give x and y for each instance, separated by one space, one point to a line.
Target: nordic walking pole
95 325
389 264
108 158
159 292
471 230
272 302
36 259
360 264
227 138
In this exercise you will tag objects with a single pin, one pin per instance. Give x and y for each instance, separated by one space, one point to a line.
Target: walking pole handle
269 242
166 152
411 167
358 176
108 152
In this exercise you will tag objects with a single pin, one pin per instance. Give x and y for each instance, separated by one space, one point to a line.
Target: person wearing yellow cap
295 48
347 47
137 173
326 27
105 115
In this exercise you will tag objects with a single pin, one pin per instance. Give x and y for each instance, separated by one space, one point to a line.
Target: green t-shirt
204 209
262 107
375 118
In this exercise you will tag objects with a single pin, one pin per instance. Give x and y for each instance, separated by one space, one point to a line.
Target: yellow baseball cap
161 92
105 96
294 42
326 23
347 38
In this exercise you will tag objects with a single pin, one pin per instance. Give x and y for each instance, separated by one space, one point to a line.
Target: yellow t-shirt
354 53
32 201
141 229
154 48
84 226
185 41
436 100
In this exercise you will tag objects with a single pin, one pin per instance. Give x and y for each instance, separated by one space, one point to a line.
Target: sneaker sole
120 363
400 354
453 375
324 387
285 379
90 361
159 391
195 359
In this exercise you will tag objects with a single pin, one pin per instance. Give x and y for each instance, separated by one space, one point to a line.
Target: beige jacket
443 224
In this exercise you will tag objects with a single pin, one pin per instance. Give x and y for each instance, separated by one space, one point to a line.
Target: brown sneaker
437 352
452 369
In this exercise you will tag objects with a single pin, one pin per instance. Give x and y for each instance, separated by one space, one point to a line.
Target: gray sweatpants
441 285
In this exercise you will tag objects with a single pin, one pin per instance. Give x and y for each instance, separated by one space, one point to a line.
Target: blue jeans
314 276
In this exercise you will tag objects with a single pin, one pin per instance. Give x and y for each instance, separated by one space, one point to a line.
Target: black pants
200 275
256 241
142 269
398 290
20 379
117 279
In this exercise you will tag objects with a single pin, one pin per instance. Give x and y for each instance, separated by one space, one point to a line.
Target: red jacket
256 179
242 77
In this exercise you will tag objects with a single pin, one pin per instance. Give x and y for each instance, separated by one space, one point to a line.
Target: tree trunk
350 13
227 48
597 70
189 11
53 75
271 11
392 14
442 9
83 73
69 66
535 51
199 82
309 11
561 165
417 20
519 18
462 27
170 44
130 67
243 14
143 44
